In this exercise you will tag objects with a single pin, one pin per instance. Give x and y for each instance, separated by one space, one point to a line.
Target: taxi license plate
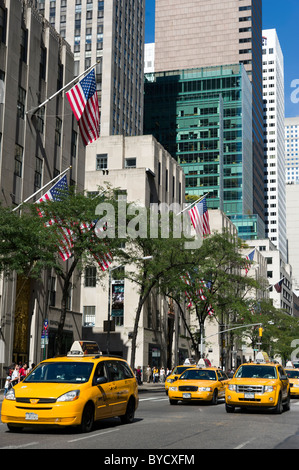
31 416
186 395
249 396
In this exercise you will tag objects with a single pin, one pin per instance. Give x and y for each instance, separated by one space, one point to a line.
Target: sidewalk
151 387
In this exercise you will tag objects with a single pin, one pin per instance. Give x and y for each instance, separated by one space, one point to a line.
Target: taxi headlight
269 388
10 395
69 396
296 385
173 389
232 387
204 389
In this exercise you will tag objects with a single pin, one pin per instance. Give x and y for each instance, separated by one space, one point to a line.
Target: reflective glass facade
203 117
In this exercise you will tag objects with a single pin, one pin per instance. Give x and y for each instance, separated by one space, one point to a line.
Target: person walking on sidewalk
148 374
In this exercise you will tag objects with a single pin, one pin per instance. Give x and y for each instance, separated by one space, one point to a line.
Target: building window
18 160
89 315
21 102
58 131
130 163
2 25
40 118
43 62
102 161
38 173
52 293
23 45
90 276
74 144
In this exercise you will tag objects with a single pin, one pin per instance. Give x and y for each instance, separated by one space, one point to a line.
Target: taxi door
222 379
284 383
121 383
102 392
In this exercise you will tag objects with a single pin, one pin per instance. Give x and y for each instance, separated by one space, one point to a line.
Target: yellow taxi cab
258 384
74 390
177 371
293 376
205 384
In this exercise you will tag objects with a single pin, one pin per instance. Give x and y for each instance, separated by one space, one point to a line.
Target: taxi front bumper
205 395
56 414
266 399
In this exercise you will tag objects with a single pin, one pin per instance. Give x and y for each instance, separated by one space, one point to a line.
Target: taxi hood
45 390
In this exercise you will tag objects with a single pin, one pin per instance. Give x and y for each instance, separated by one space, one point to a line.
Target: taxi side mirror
101 380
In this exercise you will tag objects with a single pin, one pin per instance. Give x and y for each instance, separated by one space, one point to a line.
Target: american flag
83 99
200 218
278 286
56 193
249 258
104 259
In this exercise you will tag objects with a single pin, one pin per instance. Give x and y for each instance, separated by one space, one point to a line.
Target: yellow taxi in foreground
205 384
72 391
177 371
258 385
293 376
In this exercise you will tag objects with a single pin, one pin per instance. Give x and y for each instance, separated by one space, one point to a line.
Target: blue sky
278 14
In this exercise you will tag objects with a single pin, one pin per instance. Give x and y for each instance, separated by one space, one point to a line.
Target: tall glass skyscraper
203 117
213 33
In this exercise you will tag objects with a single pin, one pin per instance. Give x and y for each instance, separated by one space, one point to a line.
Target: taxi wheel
128 417
87 418
287 405
229 408
215 397
13 428
173 402
278 407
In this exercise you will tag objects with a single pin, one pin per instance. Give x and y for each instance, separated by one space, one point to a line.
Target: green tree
31 243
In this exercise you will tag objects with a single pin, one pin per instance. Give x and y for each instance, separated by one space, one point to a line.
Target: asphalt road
178 432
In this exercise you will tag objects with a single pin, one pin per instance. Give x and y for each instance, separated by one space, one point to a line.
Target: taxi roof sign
83 348
262 357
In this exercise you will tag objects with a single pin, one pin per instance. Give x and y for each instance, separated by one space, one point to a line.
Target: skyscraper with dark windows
208 33
111 34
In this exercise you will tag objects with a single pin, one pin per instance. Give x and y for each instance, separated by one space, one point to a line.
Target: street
164 430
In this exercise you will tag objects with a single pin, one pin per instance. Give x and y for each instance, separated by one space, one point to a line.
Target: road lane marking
244 444
94 435
21 446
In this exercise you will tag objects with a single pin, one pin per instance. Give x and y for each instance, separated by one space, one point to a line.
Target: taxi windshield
293 374
180 369
60 372
256 372
195 374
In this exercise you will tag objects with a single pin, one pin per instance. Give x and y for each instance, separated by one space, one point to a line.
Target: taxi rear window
61 372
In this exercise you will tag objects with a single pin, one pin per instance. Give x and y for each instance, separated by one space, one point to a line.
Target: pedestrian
148 374
138 375
162 375
15 376
23 371
7 384
156 375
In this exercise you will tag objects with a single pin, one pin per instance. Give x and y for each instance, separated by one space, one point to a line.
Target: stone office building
35 147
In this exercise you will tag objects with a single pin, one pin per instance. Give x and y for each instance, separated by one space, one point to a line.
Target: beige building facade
145 174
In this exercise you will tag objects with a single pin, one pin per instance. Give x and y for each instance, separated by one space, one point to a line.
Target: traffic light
260 331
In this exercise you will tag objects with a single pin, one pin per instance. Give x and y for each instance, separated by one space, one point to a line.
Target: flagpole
198 200
272 285
61 89
47 184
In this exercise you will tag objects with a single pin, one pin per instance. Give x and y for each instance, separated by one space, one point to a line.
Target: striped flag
83 99
104 259
200 218
278 286
56 193
249 258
